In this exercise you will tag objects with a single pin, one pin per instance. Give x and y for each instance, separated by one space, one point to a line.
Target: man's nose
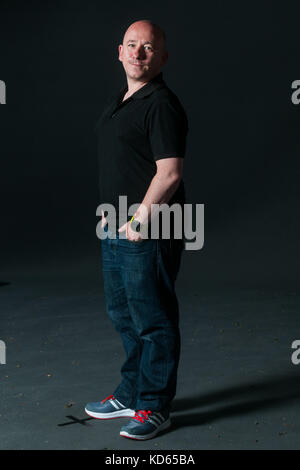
139 52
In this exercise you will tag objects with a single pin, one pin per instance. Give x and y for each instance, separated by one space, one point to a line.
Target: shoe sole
115 414
162 427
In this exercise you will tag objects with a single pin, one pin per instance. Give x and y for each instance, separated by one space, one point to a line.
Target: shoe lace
142 415
107 398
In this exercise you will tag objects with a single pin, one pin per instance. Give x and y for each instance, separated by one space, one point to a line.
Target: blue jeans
139 280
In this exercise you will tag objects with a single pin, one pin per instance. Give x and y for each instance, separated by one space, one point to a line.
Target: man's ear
120 52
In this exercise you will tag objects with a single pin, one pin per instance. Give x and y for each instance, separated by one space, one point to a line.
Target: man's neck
133 86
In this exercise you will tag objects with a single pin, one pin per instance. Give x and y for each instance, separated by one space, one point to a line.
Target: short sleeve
167 129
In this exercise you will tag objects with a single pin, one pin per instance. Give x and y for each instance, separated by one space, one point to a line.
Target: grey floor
237 385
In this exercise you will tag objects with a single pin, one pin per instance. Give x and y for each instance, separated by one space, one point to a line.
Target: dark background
230 63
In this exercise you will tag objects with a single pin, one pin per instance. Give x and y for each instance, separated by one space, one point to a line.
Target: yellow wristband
143 226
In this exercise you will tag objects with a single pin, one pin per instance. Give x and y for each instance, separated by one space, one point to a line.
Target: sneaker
109 408
146 424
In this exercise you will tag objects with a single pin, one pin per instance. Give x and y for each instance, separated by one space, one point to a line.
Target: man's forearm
160 191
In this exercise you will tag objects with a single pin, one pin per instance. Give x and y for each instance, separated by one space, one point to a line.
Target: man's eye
147 47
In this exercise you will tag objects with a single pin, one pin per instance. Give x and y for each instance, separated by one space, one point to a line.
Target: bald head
156 30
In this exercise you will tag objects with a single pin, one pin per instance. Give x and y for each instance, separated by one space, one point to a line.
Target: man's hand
103 220
131 235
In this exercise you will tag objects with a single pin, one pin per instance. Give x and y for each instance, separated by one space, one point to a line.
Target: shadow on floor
3 283
250 397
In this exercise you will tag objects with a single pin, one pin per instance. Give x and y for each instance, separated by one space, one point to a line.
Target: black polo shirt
132 135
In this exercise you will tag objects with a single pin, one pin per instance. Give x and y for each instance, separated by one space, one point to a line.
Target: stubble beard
142 72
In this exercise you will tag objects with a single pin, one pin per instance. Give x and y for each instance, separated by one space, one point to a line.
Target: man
142 139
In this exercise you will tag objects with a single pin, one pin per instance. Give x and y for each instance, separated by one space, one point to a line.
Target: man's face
142 52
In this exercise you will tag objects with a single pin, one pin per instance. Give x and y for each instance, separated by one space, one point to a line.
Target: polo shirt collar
154 84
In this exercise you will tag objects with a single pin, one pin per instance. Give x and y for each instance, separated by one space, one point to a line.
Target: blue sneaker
146 424
109 408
